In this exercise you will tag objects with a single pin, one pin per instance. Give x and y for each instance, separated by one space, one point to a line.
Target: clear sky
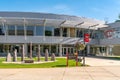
98 9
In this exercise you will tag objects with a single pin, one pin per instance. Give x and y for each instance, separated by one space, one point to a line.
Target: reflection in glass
30 30
49 31
39 31
20 30
11 30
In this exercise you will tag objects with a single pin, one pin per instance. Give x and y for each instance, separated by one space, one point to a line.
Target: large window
39 30
30 30
64 32
57 32
49 31
80 33
20 30
11 30
1 30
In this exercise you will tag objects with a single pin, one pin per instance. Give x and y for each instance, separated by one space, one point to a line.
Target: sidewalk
76 73
100 69
93 61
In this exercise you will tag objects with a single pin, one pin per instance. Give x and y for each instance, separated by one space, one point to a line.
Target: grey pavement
97 72
101 62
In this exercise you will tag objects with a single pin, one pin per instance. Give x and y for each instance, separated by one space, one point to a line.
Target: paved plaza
98 72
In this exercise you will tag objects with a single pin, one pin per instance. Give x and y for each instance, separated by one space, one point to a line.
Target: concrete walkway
93 61
97 72
77 73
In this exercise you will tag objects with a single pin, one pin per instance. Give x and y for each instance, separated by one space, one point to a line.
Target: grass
60 62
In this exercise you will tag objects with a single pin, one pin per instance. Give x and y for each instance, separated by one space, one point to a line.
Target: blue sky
98 9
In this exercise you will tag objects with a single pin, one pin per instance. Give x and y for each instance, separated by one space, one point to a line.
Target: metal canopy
83 23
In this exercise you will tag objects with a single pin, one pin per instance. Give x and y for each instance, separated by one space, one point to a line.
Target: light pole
86 40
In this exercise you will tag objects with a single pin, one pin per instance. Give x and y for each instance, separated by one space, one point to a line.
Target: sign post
86 40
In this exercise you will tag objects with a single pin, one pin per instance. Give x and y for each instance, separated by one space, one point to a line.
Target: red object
86 37
109 33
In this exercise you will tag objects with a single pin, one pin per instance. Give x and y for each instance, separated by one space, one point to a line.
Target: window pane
1 30
39 31
30 30
57 32
20 30
11 30
48 31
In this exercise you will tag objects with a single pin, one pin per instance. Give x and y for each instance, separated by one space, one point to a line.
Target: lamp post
86 40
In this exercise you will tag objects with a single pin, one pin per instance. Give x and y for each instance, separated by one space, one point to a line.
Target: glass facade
30 30
20 30
39 30
49 31
56 31
11 30
1 30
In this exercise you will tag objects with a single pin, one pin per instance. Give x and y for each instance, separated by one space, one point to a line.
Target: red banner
86 37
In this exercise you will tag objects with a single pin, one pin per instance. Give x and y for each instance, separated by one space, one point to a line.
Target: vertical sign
86 37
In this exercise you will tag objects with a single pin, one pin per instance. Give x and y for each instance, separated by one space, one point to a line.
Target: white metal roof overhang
83 23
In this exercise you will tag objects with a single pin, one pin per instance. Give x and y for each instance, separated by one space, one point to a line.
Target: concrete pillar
25 49
60 50
56 49
46 55
42 49
61 32
75 33
38 52
110 50
107 51
23 52
68 33
88 49
30 50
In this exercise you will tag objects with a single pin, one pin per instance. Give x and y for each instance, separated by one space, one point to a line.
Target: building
109 42
57 33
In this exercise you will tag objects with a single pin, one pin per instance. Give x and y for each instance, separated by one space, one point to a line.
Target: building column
35 31
31 50
60 50
61 32
25 49
68 33
75 33
56 49
38 52
107 50
88 49
23 52
42 49
110 50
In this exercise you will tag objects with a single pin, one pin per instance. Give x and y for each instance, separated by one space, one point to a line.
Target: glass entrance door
70 50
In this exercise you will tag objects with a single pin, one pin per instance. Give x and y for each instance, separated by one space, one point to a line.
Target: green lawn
60 62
